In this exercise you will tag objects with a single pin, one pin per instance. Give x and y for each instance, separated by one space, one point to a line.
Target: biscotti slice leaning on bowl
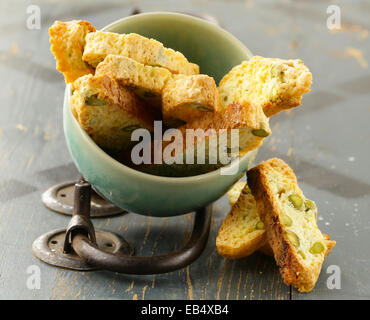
141 49
186 98
108 111
242 232
67 44
237 219
290 222
273 84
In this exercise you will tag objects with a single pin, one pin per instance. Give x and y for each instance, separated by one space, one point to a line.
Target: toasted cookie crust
67 44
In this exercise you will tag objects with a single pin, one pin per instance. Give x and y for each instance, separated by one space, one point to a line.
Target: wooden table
326 141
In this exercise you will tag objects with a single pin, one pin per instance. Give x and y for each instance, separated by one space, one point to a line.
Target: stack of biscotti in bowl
123 82
271 214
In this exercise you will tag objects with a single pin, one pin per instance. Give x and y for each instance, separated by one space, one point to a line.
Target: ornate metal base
59 198
81 247
49 248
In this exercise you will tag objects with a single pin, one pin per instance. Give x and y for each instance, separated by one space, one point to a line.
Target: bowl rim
120 166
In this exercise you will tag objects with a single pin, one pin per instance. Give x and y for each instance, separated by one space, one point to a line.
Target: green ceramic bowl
216 52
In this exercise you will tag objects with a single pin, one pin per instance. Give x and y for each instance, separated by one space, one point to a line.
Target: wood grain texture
326 141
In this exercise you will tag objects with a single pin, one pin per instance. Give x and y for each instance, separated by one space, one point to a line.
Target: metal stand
50 249
81 247
60 197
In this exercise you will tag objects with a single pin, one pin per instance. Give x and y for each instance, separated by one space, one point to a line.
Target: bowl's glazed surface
216 52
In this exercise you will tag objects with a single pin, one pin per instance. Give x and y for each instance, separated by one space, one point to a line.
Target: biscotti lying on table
273 210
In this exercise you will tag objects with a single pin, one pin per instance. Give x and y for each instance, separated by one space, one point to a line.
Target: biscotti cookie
252 125
233 195
290 222
146 81
186 98
239 216
79 48
67 44
273 84
242 232
141 49
109 112
206 135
